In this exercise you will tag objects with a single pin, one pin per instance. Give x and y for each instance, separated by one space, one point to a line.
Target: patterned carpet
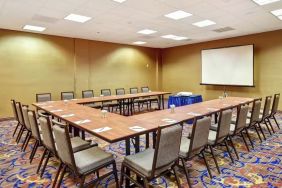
262 167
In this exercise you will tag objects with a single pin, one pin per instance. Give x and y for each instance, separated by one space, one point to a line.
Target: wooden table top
122 127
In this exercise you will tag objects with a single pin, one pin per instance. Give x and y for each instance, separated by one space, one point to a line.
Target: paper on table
47 106
67 115
193 114
59 110
82 121
169 120
137 128
212 109
73 99
41 104
103 129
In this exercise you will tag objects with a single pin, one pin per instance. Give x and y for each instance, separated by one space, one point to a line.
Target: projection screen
230 66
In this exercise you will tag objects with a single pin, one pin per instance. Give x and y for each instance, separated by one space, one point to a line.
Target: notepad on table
67 115
193 114
103 129
83 121
59 110
137 128
167 120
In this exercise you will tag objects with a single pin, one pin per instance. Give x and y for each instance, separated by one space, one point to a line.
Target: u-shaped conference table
117 127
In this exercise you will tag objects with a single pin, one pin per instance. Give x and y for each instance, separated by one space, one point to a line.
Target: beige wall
182 67
34 63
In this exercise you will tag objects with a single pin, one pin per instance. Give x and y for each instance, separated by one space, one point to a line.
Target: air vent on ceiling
46 19
223 29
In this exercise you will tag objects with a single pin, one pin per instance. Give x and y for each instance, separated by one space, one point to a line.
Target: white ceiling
119 23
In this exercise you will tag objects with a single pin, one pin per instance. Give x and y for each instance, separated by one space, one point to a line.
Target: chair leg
18 124
45 163
267 127
34 151
82 182
57 174
122 175
41 160
146 183
276 122
227 148
260 127
176 176
115 174
233 146
25 139
26 144
249 137
62 176
186 171
207 165
246 144
215 161
20 134
270 124
258 133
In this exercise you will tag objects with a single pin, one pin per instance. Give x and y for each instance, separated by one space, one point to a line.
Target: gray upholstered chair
81 163
108 104
150 99
27 126
274 109
35 130
265 115
254 120
196 144
43 97
138 101
13 104
21 121
90 94
152 163
49 143
240 125
221 134
67 95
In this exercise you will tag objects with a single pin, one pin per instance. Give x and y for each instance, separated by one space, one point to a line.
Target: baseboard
7 119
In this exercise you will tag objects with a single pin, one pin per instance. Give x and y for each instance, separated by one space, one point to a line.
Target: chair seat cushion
142 162
78 144
184 147
89 159
212 137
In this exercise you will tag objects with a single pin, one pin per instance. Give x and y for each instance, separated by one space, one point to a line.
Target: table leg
120 106
83 134
154 139
163 101
75 131
159 102
127 152
147 140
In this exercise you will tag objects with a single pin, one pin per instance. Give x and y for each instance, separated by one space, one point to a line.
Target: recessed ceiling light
146 31
264 2
139 42
77 18
174 37
119 1
34 28
178 15
277 12
204 23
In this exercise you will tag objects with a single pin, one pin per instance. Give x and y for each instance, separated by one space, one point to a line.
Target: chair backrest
167 146
133 90
64 148
241 120
34 125
275 103
87 94
47 133
255 111
199 136
106 92
266 108
25 117
145 89
20 112
120 91
43 97
223 125
68 95
13 104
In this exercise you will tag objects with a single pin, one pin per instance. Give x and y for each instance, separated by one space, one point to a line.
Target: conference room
130 93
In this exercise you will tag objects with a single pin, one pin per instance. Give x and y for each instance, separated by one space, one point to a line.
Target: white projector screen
228 66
